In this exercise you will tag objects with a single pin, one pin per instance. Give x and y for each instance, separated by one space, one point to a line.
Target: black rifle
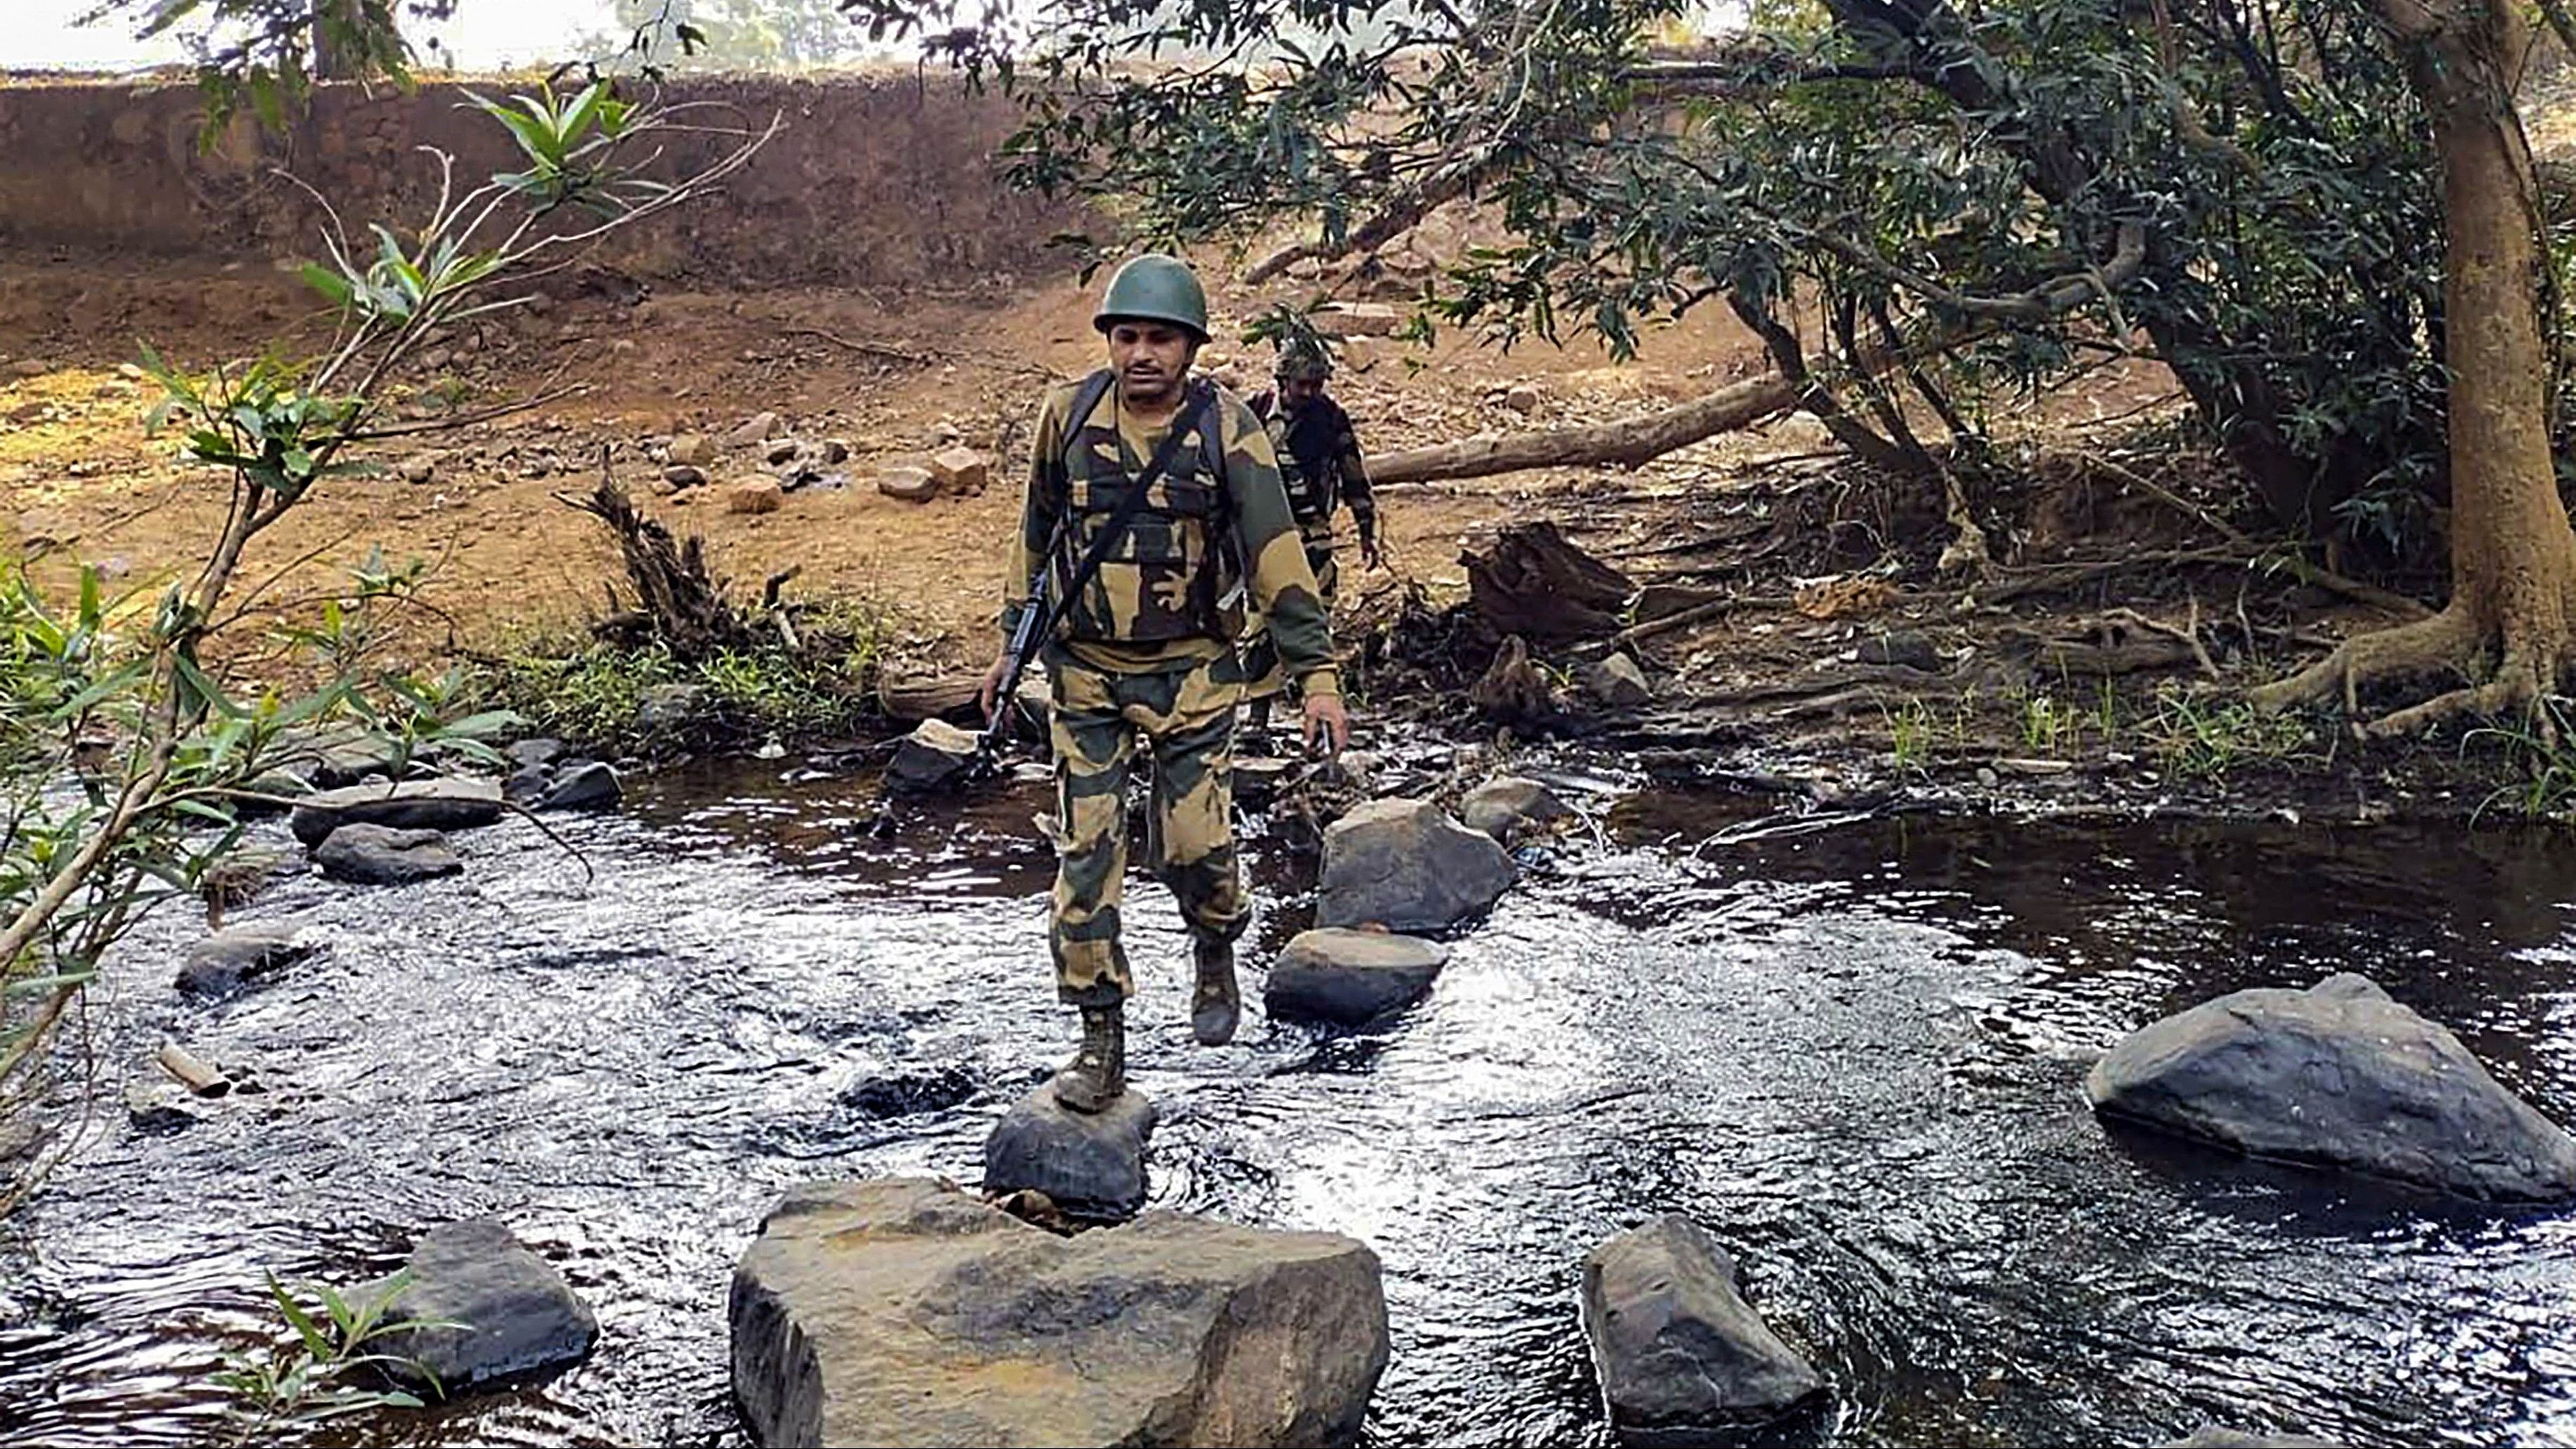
1046 606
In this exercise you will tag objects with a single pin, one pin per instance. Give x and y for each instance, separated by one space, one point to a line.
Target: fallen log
1626 442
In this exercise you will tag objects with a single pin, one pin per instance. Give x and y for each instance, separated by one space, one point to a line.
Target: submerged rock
440 804
224 961
1682 1358
900 1094
519 1316
903 1312
1346 976
380 855
1405 865
1091 1164
1509 805
2338 1076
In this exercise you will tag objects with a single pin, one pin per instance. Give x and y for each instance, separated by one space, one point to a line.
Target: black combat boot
1217 1005
1098 1073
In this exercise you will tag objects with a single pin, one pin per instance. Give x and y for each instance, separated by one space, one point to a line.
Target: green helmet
1154 288
1302 359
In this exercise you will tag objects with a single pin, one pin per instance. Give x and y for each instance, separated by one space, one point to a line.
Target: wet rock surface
1349 977
591 786
2341 1076
1682 1359
1509 806
238 955
382 855
933 758
1405 865
1091 1164
518 1316
437 804
903 1312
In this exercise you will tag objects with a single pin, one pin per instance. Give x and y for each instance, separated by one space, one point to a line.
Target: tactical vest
1161 578
1314 482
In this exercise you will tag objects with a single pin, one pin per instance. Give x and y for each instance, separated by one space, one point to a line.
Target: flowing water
1853 1051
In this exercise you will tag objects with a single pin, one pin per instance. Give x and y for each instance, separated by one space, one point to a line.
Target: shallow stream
1853 1051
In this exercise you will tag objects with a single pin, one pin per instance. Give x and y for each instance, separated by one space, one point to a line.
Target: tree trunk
2513 554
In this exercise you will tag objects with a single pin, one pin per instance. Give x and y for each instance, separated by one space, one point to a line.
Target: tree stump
1534 584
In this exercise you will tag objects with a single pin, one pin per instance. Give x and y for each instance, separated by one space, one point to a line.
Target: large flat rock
1091 1164
2339 1076
1407 866
1682 1358
447 803
903 1312
1348 977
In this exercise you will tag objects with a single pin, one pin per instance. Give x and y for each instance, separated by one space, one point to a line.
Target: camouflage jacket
1319 456
1159 598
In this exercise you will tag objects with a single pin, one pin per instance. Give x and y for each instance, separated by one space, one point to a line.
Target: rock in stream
1682 1358
1092 1165
1406 865
901 1311
1348 977
519 1316
2337 1075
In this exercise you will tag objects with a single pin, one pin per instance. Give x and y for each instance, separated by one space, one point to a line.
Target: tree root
2451 642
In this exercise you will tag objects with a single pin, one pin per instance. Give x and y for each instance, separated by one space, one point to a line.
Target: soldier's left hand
1327 721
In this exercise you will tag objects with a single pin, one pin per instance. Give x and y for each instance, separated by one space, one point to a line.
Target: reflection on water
1854 1053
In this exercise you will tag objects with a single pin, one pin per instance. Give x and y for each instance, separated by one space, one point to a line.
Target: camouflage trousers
1260 656
1185 716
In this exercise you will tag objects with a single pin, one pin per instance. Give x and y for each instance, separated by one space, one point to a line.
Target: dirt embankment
2095 657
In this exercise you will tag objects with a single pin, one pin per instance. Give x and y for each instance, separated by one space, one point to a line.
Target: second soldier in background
1320 462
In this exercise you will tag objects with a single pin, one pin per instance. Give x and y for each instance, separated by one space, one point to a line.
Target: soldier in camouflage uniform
1147 648
1319 458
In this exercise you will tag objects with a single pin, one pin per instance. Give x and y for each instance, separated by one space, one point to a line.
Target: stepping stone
1348 977
439 804
379 855
1406 865
904 1312
519 1316
1091 1164
223 962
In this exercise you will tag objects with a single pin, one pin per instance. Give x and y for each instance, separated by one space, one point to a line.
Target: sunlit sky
485 34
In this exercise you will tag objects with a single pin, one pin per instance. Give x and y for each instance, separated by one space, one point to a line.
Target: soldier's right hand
986 695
